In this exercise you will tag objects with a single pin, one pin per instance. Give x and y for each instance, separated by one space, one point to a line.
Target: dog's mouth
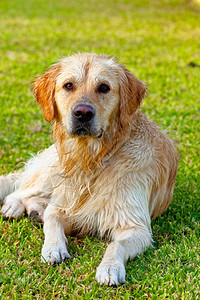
83 131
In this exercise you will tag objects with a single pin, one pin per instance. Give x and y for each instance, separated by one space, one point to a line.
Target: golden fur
112 178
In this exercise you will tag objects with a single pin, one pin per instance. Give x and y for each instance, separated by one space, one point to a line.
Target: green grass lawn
156 40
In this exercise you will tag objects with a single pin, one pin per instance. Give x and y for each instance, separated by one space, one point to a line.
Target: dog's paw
54 254
13 208
111 273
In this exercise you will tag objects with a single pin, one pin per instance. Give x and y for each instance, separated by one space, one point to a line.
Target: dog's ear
132 91
44 89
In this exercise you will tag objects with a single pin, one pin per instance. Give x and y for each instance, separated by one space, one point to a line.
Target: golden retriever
109 171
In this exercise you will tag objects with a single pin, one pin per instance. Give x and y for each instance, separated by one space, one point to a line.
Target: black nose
84 113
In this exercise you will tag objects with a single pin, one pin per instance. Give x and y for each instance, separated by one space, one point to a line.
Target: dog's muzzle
83 120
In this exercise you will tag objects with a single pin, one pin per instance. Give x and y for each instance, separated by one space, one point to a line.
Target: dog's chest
90 202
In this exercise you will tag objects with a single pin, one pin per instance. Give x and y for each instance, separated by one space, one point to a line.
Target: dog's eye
68 86
104 88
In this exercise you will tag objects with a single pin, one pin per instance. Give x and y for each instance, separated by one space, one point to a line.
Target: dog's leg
54 250
127 244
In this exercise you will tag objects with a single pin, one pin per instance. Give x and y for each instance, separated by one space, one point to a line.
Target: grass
156 40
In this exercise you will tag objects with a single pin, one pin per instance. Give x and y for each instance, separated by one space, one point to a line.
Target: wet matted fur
109 171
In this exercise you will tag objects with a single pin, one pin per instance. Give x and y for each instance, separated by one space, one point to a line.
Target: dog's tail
8 184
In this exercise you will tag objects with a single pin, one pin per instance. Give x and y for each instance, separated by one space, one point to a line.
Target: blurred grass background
159 41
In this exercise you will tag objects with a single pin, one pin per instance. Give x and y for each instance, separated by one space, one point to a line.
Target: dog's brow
99 73
72 74
99 78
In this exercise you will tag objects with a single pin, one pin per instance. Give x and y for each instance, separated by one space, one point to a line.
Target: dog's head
87 92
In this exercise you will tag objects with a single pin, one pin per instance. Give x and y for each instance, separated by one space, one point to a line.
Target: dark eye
104 88
68 86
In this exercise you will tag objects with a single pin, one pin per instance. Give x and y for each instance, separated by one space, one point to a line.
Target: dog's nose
84 113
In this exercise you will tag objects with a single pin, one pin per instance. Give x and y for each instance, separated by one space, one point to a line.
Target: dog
109 171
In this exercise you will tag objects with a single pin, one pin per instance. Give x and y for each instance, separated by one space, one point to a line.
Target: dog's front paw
111 273
54 254
13 208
